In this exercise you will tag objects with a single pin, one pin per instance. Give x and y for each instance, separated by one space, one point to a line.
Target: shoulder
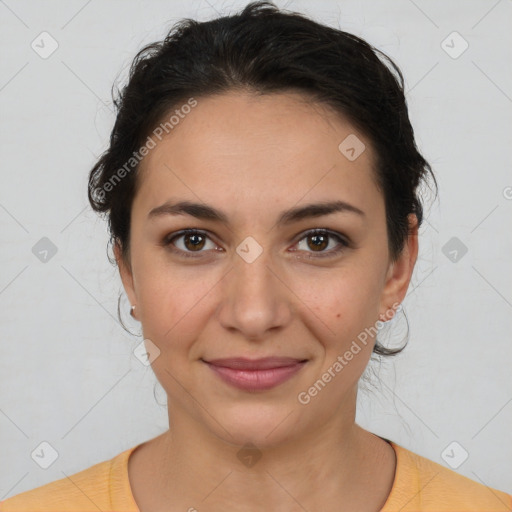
424 485
91 489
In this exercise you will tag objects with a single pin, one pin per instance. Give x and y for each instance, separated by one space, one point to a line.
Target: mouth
255 374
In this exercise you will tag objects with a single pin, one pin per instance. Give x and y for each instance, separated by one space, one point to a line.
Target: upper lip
242 363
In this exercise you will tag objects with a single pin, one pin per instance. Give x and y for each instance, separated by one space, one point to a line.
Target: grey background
68 373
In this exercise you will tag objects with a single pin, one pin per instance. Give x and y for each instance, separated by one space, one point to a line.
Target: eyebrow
205 212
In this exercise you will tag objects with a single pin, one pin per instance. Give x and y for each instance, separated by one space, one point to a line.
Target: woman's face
255 284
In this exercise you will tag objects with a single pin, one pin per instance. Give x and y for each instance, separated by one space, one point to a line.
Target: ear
125 272
400 272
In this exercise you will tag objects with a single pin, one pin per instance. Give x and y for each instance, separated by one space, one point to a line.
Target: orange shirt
419 485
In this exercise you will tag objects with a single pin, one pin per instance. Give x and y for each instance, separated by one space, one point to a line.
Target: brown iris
321 241
197 241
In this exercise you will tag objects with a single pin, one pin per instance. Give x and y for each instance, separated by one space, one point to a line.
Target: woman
261 191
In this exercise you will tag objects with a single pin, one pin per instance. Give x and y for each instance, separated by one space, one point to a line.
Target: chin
263 426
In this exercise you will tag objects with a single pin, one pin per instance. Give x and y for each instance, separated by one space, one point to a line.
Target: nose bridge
253 278
254 299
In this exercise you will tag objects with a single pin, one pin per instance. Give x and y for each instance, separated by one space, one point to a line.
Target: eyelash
343 244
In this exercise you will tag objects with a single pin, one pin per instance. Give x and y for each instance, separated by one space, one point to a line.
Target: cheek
172 301
342 302
341 312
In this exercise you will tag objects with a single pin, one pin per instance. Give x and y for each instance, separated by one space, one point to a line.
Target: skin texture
253 157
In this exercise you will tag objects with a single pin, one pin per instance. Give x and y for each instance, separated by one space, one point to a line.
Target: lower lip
256 380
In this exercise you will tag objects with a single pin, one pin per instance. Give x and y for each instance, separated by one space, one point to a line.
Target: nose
255 299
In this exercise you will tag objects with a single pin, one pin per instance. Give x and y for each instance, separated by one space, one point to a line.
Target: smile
246 375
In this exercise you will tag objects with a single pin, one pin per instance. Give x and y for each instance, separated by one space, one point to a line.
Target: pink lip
256 374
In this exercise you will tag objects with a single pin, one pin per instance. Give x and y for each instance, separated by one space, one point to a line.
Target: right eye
191 240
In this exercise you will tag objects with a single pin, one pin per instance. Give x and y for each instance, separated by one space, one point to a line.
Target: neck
333 466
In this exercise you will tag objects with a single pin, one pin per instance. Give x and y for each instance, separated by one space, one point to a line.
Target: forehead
275 148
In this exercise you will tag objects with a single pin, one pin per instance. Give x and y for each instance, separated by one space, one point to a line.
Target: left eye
319 240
